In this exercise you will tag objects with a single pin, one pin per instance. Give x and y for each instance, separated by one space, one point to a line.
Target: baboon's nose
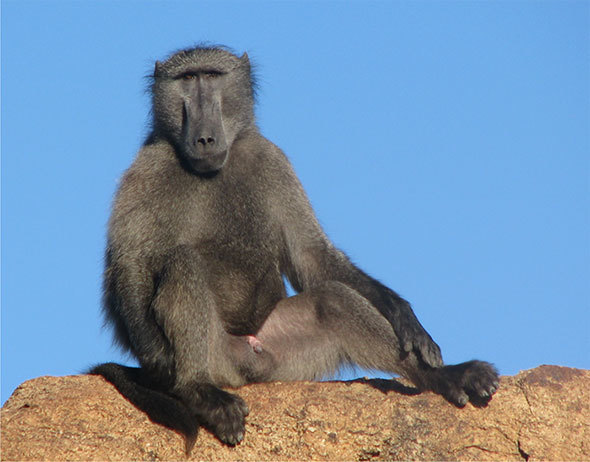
205 141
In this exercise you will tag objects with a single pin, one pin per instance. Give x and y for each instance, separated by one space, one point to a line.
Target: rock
540 414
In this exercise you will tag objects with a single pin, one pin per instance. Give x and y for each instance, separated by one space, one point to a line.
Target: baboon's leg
310 335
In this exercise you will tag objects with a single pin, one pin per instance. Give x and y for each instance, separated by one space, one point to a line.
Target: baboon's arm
312 259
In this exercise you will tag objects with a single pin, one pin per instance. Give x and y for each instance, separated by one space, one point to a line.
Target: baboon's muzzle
205 146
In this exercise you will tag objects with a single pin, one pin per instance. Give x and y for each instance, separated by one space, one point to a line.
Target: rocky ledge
539 414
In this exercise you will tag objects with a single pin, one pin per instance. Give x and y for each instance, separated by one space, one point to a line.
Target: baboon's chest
243 256
234 217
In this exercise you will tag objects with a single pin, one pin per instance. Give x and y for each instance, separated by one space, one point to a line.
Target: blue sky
444 145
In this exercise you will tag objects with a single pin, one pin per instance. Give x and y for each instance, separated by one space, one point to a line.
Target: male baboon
206 222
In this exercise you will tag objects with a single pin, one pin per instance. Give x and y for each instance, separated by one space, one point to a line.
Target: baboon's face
203 138
201 105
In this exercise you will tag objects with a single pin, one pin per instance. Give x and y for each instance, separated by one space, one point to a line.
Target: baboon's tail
160 407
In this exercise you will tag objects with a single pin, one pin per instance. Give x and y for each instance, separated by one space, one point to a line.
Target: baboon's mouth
209 163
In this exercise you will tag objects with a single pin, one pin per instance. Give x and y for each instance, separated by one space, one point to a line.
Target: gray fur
207 221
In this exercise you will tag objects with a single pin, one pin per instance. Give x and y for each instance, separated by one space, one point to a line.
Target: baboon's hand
413 337
474 381
223 413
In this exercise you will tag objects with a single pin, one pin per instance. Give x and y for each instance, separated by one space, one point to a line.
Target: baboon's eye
189 76
211 74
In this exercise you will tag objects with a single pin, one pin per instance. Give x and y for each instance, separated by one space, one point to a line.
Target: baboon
206 222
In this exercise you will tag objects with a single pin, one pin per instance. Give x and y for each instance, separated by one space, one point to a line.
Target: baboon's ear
245 60
157 69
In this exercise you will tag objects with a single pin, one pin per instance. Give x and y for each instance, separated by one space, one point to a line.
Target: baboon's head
202 99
